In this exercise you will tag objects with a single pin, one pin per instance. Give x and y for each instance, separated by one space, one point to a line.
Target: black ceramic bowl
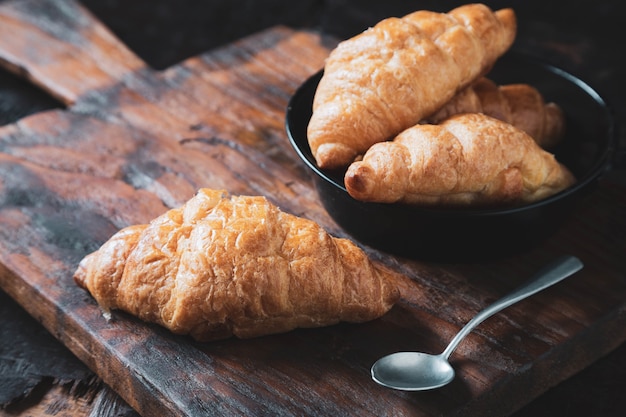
452 234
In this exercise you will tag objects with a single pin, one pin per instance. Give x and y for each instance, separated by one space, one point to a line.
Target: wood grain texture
134 142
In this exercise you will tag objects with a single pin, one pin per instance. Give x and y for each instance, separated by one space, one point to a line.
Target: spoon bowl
398 371
416 371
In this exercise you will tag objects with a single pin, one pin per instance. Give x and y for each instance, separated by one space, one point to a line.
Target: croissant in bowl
393 75
467 160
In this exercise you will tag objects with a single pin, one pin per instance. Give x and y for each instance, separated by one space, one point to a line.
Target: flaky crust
220 266
521 105
393 75
468 159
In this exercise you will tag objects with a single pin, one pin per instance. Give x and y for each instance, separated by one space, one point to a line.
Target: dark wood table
40 376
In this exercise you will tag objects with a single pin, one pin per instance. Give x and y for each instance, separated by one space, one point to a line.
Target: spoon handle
549 275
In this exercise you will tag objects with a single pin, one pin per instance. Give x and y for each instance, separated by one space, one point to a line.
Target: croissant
468 159
521 105
225 265
393 75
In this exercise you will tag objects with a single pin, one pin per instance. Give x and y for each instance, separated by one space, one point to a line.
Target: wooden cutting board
133 142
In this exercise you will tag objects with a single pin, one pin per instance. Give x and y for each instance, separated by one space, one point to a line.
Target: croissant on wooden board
468 159
521 105
398 72
225 265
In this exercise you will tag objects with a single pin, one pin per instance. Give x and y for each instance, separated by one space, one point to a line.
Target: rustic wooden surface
134 142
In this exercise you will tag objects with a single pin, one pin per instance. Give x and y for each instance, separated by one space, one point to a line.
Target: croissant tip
80 275
357 180
507 17
334 155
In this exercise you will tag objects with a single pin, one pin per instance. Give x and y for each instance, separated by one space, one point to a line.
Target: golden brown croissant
467 159
221 266
521 105
391 76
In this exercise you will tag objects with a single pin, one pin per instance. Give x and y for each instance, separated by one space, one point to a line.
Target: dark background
584 38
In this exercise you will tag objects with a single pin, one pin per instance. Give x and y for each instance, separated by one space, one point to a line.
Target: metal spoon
416 371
